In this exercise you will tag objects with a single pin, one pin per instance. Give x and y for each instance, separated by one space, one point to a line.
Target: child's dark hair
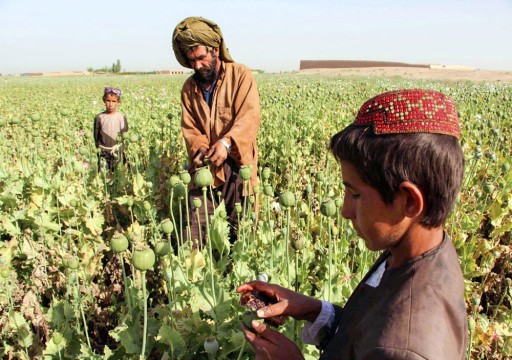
112 91
434 162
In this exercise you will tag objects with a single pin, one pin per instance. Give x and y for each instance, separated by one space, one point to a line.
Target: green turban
194 31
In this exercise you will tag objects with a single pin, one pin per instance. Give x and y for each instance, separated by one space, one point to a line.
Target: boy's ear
414 199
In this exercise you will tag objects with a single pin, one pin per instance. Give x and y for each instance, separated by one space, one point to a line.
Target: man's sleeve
246 122
192 132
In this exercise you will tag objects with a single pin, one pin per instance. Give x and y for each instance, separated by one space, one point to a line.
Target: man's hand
269 344
200 155
298 306
217 153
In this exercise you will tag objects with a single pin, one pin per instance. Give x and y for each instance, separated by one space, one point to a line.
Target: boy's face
378 224
111 101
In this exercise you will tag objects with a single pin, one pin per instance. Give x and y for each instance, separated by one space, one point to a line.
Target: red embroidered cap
410 111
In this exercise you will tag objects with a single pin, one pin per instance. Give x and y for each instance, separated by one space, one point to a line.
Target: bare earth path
419 73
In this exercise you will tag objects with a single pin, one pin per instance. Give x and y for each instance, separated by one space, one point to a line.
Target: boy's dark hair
433 161
112 91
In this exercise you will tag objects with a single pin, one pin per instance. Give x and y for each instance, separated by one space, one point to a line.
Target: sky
269 35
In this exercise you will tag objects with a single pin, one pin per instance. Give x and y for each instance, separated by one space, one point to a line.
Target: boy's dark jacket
416 312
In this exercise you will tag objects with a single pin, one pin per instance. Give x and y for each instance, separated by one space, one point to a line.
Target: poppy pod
203 178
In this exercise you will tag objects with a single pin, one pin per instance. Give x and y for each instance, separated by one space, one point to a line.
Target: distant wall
340 64
58 73
173 72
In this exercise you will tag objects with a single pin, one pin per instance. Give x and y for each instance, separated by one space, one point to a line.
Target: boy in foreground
402 167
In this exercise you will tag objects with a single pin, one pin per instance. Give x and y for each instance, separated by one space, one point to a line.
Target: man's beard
207 76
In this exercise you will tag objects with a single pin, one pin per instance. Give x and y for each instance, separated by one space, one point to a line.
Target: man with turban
220 112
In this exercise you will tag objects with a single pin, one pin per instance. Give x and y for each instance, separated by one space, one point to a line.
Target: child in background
108 125
402 167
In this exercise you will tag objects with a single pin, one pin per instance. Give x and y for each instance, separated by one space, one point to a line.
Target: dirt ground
419 73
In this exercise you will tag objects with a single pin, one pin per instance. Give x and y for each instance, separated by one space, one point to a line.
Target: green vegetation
72 287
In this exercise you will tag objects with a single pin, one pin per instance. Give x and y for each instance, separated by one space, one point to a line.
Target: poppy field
102 267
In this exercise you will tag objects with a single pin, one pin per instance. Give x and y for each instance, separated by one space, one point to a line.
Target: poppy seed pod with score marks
203 178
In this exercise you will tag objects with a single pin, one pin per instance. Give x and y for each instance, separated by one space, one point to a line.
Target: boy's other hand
290 303
270 344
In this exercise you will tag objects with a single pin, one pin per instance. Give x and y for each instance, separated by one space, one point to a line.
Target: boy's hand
298 306
270 344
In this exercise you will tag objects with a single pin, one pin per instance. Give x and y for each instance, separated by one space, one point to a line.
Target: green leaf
219 230
171 337
21 328
129 336
195 264
95 224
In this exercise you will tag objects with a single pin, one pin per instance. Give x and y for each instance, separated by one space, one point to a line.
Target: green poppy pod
267 190
328 208
297 243
2 122
167 226
309 188
256 189
154 116
146 205
196 203
505 166
265 174
173 180
83 151
179 190
338 202
5 273
488 187
35 117
73 263
238 207
64 112
170 116
223 214
118 243
287 199
185 177
203 178
149 184
251 200
129 202
320 176
471 324
245 172
211 346
162 248
57 338
143 259
134 138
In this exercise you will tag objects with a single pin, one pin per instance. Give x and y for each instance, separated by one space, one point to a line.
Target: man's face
205 63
